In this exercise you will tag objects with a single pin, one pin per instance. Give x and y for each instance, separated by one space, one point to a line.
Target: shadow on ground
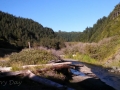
20 83
91 84
7 48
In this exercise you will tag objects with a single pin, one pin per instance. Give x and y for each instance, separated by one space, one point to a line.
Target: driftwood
77 65
6 69
49 65
56 67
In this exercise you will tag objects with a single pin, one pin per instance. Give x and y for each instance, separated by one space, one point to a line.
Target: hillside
16 32
105 27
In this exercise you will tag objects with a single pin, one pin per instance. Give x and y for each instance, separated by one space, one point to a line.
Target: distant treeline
68 36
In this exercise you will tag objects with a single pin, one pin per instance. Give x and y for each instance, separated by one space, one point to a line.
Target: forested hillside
105 27
16 32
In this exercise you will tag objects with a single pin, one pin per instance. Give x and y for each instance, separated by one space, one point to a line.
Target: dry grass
4 58
96 53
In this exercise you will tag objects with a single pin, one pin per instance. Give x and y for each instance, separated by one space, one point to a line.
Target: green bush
32 56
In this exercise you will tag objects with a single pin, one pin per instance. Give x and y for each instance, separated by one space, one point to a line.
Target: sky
64 15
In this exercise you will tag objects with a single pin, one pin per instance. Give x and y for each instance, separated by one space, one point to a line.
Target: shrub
32 56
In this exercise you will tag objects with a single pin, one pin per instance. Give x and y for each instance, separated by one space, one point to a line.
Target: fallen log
77 65
6 69
56 67
49 65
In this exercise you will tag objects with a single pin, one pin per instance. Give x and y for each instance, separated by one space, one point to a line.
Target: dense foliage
18 31
91 34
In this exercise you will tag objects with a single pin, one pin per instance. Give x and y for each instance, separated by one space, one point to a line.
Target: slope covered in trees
18 31
104 27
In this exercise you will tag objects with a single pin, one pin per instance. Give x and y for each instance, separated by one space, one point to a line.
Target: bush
32 56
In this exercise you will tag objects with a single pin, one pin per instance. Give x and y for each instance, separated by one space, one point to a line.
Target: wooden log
56 67
77 65
6 69
50 65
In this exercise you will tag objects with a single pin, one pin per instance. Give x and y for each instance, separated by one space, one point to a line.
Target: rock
76 79
118 69
114 67
112 70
